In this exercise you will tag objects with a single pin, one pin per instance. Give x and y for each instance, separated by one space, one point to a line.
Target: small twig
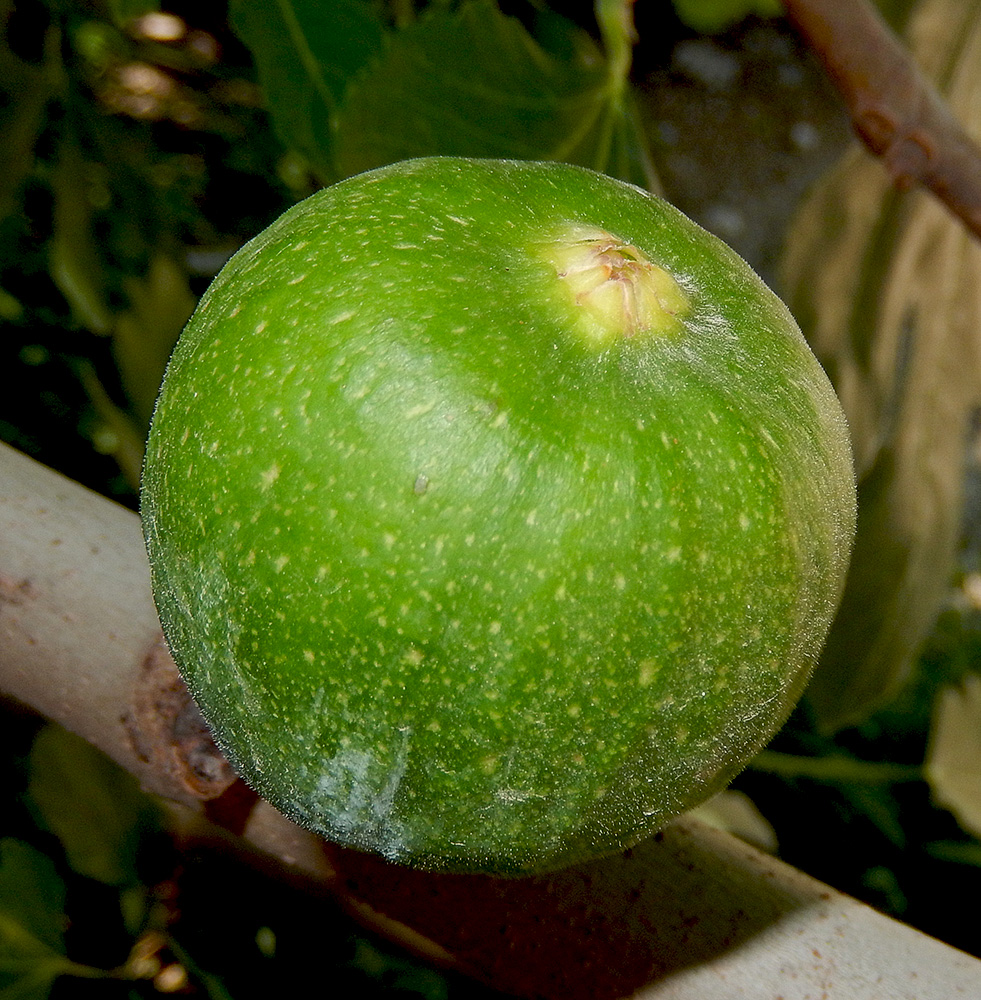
836 769
895 110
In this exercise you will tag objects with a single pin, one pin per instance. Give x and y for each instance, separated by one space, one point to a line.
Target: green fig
496 513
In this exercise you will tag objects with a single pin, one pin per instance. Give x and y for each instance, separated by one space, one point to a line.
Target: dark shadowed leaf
306 51
464 80
125 11
25 89
32 898
96 809
32 894
472 82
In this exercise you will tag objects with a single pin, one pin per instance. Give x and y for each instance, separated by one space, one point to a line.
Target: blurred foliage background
141 145
136 158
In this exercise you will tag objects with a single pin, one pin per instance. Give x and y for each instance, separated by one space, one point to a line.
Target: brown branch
689 914
895 110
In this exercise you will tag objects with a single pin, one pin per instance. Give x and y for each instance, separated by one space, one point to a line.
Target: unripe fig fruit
496 513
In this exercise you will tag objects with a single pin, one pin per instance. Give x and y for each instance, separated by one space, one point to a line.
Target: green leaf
94 807
32 895
32 899
465 80
76 261
710 16
401 975
10 308
306 51
956 851
160 303
471 82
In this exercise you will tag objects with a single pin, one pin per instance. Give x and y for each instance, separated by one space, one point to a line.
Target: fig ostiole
496 513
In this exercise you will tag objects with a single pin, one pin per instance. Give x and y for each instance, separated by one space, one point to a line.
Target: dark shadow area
597 931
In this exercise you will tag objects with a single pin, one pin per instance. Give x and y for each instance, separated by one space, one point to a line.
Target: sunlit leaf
306 51
953 765
887 287
96 809
470 82
32 899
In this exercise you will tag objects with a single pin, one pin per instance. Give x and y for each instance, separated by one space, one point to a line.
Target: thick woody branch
895 110
689 914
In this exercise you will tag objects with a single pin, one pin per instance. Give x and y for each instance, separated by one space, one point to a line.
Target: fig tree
496 513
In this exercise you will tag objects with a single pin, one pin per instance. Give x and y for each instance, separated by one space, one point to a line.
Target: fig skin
475 565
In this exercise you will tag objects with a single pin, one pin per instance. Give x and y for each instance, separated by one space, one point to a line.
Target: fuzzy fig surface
496 513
